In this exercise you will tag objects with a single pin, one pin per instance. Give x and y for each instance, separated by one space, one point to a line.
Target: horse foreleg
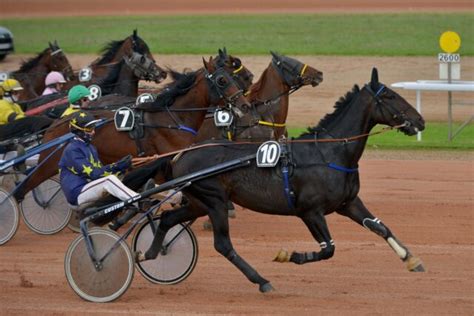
357 211
316 224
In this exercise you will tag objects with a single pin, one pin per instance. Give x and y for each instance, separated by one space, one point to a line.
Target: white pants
99 188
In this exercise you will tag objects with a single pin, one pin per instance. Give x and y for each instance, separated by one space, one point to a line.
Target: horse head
234 66
223 86
295 73
58 61
141 60
392 109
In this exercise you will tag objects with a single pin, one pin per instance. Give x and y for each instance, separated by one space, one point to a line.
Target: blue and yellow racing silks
79 165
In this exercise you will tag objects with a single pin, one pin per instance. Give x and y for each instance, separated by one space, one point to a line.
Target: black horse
322 178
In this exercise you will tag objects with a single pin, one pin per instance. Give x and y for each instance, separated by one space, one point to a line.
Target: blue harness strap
187 129
290 195
343 169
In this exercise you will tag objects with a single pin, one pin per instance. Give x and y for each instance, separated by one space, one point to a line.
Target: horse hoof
231 213
139 256
267 287
414 264
207 225
282 256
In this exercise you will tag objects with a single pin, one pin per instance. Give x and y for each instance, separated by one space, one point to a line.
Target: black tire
179 260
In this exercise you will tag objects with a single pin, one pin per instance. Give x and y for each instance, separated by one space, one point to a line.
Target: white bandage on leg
99 188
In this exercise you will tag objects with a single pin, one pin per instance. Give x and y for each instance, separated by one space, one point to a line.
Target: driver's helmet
76 93
7 87
10 85
54 77
83 124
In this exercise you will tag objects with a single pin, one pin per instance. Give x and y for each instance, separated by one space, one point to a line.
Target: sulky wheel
175 262
45 209
74 221
114 275
9 216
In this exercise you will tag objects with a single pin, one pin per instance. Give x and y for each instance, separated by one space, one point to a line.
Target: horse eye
221 81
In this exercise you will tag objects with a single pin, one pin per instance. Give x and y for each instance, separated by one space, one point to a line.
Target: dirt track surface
428 205
426 200
125 7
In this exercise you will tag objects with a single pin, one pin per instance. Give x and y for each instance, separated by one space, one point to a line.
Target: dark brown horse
169 123
33 72
316 175
122 64
118 71
270 98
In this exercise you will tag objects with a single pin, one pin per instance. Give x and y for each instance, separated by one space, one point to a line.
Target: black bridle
393 112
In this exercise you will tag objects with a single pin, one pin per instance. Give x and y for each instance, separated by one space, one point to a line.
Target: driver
13 121
83 177
78 99
54 83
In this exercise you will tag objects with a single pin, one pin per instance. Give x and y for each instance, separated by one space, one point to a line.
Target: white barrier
438 85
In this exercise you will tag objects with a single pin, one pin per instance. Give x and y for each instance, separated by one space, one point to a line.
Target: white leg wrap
401 252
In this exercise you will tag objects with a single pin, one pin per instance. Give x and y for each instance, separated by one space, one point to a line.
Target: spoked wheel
177 259
114 275
45 209
74 222
7 181
9 216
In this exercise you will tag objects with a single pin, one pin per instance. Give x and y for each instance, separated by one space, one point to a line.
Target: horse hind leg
167 221
360 214
317 225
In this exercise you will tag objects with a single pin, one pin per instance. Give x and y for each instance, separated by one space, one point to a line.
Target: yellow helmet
10 85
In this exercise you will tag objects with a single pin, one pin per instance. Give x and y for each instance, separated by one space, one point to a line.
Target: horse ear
135 33
206 65
221 53
56 43
374 81
50 45
275 55
225 51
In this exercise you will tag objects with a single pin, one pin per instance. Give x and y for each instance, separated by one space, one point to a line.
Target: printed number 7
125 114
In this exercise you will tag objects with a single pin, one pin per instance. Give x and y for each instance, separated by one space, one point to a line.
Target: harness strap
187 129
341 168
271 124
285 161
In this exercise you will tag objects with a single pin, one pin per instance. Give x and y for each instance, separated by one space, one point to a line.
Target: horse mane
339 107
182 84
108 83
32 62
108 51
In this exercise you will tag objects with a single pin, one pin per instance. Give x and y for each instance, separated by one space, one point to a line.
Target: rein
144 160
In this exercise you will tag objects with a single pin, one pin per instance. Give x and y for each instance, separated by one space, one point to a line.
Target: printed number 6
223 116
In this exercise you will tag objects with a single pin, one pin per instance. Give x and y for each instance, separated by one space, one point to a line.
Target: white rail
438 85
